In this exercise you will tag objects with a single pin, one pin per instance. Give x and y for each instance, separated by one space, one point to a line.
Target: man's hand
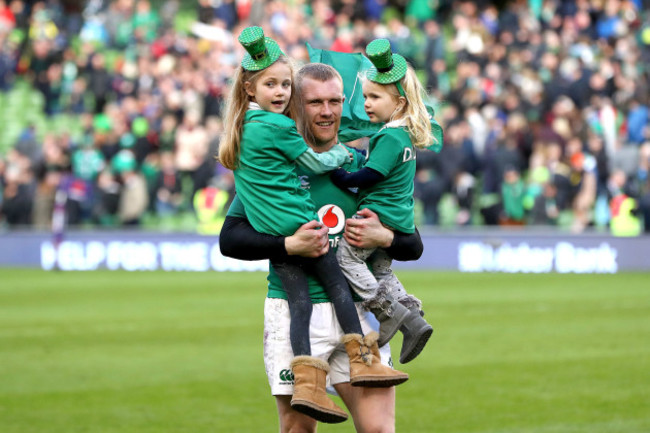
367 232
310 240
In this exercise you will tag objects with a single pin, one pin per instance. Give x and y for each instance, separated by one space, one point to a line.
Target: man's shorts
324 335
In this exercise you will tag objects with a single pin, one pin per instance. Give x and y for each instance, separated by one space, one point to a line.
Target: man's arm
406 247
368 232
238 239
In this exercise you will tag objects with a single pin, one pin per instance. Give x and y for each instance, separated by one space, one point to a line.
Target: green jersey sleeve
385 154
320 163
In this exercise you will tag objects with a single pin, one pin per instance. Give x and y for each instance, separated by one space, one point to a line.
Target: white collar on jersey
395 123
254 106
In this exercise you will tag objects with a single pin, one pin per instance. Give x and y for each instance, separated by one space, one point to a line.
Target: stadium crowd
545 105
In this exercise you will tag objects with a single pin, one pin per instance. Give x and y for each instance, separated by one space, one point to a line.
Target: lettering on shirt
408 155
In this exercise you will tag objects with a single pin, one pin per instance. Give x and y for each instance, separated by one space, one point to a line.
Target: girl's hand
310 240
367 232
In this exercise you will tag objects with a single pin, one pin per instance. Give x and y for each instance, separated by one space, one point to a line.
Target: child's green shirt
266 177
391 153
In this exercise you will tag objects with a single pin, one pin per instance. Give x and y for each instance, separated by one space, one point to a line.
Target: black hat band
382 70
261 55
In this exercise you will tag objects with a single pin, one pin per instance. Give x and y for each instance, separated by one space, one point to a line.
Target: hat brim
396 73
273 53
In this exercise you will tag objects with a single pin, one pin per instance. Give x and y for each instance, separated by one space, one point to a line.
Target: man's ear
249 88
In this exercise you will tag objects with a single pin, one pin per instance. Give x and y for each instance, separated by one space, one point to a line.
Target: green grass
181 352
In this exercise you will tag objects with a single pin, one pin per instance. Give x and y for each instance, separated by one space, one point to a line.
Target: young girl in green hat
393 97
262 147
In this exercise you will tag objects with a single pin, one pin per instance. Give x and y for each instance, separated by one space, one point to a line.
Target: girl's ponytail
417 118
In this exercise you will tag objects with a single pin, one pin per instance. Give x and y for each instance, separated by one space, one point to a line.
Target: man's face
323 106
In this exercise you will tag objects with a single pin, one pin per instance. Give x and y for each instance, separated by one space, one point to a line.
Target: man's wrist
288 245
389 239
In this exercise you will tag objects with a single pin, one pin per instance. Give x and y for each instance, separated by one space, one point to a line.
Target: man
320 91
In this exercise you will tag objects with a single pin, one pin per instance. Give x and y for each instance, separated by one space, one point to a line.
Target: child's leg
392 295
366 368
352 261
327 270
380 263
309 394
294 282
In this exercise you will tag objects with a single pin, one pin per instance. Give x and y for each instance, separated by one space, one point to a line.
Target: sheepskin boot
309 395
389 312
366 368
416 332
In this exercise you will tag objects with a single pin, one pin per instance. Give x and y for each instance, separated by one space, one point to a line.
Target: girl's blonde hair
418 122
238 100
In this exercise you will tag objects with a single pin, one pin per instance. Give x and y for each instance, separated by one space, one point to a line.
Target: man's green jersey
333 206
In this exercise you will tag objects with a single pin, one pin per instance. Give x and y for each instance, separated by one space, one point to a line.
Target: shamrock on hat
262 52
387 67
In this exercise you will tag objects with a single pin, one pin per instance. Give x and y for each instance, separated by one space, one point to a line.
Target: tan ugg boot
309 395
366 368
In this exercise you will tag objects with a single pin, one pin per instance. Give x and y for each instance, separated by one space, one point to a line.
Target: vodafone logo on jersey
333 217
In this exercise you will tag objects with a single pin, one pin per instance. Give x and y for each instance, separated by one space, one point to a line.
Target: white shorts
324 335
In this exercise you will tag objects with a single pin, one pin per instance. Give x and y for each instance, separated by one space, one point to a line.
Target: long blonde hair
418 123
236 107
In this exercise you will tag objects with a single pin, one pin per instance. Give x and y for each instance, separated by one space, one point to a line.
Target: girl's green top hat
387 67
261 52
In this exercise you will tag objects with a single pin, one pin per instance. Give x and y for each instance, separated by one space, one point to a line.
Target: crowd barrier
474 251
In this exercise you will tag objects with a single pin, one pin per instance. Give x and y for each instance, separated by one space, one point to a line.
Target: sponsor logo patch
332 217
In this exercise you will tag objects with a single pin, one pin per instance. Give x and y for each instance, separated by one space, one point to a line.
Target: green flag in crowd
354 120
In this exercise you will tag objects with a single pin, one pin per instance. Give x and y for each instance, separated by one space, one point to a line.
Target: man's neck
323 147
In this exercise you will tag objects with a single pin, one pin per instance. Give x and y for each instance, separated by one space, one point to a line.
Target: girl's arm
364 178
320 163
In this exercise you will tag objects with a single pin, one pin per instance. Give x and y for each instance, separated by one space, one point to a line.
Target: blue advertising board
484 251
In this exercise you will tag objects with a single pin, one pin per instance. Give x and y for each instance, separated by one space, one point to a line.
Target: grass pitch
181 352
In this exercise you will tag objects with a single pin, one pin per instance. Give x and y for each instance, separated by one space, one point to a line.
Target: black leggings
293 275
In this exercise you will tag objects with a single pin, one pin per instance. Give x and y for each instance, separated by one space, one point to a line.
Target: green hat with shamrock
386 67
261 52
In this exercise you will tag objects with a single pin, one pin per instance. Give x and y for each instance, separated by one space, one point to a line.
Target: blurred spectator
18 190
191 153
87 162
624 208
49 173
583 177
99 81
133 196
145 22
512 196
544 210
168 190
